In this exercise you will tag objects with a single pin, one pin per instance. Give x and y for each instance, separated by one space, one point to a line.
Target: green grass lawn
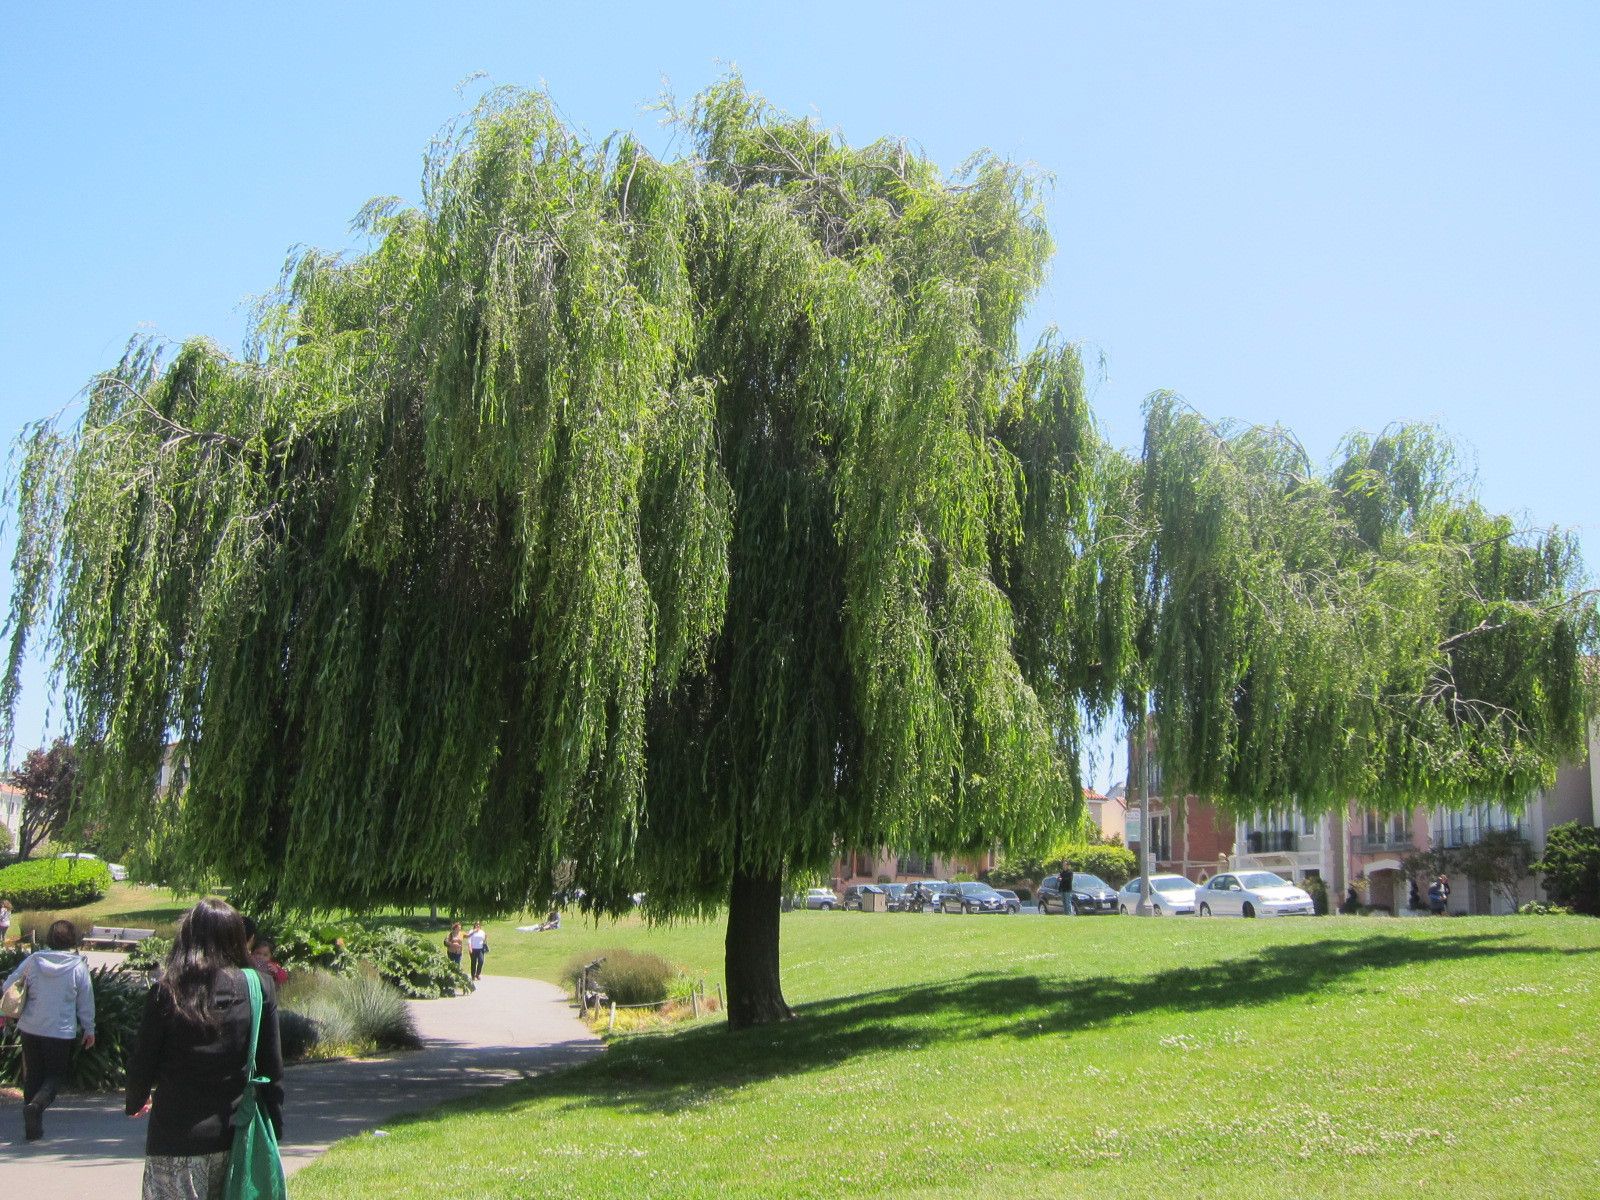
1039 1057
126 905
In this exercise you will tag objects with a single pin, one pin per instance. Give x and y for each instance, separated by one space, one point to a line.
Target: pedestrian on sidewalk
478 944
452 944
5 922
59 1006
192 1051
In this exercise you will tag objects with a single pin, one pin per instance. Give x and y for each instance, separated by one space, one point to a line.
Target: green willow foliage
669 518
1368 632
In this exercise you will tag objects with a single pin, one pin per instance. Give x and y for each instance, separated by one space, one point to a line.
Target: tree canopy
675 517
1368 630
681 519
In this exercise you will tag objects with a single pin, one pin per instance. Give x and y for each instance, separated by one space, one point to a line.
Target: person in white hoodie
60 1005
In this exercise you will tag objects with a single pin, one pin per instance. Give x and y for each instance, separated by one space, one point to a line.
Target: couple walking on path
476 942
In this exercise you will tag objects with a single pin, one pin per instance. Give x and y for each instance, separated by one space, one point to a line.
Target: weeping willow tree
1365 632
668 521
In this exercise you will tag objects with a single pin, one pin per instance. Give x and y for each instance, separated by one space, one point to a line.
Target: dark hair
63 935
210 938
249 929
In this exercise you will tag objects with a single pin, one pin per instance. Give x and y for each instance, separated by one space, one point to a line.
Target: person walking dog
57 1006
191 1063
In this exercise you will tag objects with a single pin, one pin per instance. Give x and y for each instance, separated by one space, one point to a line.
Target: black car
853 894
972 898
896 893
1091 895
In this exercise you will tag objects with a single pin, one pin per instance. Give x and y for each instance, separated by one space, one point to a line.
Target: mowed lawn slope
1044 1057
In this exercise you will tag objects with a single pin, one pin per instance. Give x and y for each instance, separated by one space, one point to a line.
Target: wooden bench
101 937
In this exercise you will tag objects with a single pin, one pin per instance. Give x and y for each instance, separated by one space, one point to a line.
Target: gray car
972 898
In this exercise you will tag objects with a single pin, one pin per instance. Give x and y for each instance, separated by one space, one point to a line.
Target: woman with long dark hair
193 1048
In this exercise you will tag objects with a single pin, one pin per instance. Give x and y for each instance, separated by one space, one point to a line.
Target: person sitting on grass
553 921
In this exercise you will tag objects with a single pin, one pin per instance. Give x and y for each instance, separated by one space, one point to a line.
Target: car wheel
827 908
1013 909
1205 910
1122 910
1249 909
1156 908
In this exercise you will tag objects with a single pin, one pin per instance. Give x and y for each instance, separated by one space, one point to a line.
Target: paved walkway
508 1029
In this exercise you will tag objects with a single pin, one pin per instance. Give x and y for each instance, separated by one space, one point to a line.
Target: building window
1161 837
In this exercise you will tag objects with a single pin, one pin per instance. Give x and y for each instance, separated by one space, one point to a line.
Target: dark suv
1090 895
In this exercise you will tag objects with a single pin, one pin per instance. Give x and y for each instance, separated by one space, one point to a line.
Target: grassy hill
1029 1056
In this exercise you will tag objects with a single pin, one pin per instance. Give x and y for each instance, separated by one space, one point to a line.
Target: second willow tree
660 524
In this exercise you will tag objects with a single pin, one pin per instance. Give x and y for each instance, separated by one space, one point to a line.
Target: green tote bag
254 1170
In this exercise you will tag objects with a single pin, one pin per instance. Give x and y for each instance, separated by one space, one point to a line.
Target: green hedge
54 883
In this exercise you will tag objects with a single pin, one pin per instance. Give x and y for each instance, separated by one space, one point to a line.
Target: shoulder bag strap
252 984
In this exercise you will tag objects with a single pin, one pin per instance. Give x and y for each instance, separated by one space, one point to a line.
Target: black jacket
198 1074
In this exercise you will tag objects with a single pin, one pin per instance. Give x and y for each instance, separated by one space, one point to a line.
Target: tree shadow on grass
670 1074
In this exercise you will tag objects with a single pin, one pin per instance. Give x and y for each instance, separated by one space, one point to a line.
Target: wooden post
612 1023
694 1003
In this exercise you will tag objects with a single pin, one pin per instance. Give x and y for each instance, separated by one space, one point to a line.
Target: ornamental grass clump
324 1015
625 976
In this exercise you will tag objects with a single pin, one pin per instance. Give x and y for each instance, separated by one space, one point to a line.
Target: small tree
1499 860
1571 867
48 780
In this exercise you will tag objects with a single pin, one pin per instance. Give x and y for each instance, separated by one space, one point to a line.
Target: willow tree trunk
755 995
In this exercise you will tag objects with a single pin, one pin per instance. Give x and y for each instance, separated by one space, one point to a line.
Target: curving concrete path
508 1029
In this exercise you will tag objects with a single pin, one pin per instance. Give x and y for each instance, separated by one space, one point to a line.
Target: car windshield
1081 882
1171 884
977 889
1263 879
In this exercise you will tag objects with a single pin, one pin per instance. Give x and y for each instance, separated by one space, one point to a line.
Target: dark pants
477 963
46 1062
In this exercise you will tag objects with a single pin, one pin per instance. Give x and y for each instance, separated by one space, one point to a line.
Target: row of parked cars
1231 894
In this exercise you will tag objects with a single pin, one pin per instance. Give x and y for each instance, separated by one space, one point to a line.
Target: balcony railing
1274 841
1452 837
1388 840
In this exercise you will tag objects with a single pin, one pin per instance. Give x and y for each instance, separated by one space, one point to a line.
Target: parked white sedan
1252 894
1172 896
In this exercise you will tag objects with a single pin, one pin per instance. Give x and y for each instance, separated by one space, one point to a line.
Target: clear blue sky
1329 216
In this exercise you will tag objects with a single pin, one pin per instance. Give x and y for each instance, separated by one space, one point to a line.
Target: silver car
823 898
1252 894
